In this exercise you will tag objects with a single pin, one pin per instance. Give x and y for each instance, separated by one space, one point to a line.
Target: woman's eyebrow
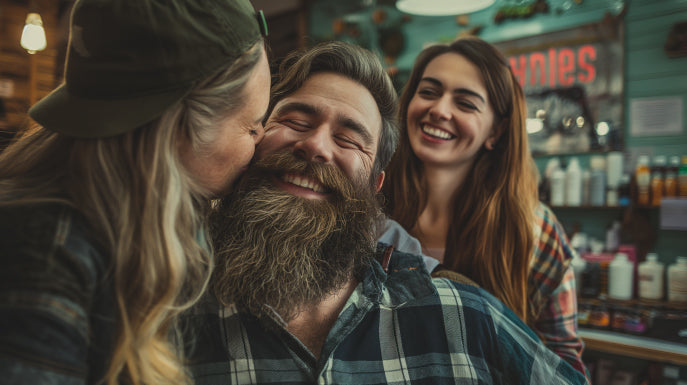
460 91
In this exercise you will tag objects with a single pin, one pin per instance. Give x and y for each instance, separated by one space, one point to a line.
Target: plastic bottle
620 277
614 168
590 286
658 169
573 183
624 196
643 180
682 177
578 264
613 237
545 185
650 277
614 171
586 179
677 280
670 180
558 187
597 182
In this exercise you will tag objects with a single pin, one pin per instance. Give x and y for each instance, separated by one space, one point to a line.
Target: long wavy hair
490 237
143 206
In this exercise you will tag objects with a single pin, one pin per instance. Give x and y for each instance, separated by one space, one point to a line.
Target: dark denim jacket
57 307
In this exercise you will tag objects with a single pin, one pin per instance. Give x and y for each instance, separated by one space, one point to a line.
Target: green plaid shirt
400 327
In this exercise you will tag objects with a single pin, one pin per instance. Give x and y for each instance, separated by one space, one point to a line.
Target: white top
393 233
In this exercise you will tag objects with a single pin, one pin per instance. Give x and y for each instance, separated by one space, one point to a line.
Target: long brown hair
490 237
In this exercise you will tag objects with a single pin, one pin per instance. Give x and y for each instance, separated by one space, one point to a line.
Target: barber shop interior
343 192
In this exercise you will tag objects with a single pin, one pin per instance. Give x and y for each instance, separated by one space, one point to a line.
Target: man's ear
380 180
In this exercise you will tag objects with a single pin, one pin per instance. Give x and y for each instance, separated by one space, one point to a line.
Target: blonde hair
490 238
144 207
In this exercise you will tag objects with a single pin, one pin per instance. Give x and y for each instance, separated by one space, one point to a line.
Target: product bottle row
606 183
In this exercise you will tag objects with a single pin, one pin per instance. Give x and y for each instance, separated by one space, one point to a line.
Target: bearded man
302 294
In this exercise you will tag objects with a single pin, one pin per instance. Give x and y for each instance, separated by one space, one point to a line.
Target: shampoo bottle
650 278
573 183
677 280
620 277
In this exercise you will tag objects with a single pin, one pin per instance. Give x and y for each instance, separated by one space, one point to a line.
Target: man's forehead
328 94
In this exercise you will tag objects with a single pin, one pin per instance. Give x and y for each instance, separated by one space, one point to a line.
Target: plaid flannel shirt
551 289
397 328
551 283
57 305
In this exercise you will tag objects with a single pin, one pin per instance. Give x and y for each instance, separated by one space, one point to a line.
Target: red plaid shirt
551 290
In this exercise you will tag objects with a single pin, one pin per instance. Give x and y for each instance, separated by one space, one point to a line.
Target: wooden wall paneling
16 63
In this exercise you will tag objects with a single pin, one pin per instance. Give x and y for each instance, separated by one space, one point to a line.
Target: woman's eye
467 105
427 92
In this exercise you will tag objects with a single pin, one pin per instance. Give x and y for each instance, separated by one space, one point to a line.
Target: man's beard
274 248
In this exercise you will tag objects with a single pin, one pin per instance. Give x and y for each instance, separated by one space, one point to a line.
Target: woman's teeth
441 134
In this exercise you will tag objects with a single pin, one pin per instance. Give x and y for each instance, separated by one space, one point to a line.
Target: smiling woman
463 184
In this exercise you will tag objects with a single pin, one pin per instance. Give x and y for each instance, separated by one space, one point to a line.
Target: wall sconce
442 7
33 36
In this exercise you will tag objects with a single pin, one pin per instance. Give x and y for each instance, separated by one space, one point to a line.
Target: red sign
573 80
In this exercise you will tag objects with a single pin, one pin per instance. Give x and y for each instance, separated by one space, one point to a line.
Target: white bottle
650 278
597 181
579 264
677 280
586 186
614 168
558 187
613 237
620 277
573 183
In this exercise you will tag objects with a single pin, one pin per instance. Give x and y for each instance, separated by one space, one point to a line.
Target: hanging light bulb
442 7
33 36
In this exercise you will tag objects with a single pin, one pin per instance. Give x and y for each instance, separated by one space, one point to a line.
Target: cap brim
63 112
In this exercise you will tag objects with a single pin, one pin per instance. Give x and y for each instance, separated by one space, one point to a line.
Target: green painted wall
648 71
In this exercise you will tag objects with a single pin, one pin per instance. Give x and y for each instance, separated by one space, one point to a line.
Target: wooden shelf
590 207
650 349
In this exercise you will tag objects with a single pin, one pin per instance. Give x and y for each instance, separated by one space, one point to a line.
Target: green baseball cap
130 60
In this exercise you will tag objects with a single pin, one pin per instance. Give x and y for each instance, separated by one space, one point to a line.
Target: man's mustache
333 180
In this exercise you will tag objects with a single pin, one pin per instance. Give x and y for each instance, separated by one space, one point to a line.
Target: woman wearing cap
463 183
101 209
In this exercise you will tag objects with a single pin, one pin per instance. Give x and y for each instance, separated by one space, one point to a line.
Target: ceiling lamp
442 7
33 36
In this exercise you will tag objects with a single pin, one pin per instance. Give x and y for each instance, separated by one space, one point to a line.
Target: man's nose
315 146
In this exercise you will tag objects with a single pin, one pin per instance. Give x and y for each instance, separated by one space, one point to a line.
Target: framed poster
573 82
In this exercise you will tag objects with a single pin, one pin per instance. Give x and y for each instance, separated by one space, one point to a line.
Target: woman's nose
441 109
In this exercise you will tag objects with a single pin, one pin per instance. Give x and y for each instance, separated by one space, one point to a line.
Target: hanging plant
521 11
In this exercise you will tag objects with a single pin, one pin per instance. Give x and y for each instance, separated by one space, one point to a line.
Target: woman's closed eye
428 92
467 104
